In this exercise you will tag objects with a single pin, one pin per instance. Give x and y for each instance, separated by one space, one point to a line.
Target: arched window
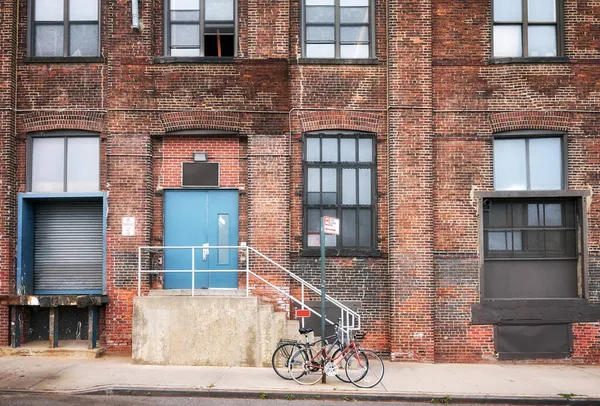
340 181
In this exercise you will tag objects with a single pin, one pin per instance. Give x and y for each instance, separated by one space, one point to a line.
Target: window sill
193 59
64 59
545 59
534 311
331 61
531 193
63 195
501 259
343 252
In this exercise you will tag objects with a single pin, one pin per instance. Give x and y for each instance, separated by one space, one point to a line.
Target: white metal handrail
349 321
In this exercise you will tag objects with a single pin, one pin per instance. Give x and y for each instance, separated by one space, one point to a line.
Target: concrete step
267 326
223 327
66 348
198 292
201 330
291 330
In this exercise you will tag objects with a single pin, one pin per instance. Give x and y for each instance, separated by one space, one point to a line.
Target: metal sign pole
324 377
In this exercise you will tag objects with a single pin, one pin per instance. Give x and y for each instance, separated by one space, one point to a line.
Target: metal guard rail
349 321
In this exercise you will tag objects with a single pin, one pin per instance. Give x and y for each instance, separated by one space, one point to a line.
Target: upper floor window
340 181
526 28
64 162
65 28
529 163
200 28
338 29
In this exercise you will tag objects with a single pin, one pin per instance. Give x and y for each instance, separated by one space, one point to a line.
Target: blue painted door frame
25 239
194 218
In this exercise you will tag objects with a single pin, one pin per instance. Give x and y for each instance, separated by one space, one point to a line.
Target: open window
200 28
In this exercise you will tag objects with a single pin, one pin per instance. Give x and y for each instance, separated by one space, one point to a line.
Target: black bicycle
286 348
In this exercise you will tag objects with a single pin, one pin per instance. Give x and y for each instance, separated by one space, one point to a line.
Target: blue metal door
195 218
222 226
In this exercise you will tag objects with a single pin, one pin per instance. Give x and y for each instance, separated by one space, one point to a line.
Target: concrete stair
67 348
218 329
197 292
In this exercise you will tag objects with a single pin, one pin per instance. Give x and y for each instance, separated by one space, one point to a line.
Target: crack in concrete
56 374
219 378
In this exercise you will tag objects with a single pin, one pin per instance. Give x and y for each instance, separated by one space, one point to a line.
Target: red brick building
456 141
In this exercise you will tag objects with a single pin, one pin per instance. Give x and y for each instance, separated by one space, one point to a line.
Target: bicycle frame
348 349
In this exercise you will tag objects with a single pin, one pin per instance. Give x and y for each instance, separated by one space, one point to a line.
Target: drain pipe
135 15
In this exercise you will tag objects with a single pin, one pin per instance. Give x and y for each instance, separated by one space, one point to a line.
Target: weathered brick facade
430 96
8 34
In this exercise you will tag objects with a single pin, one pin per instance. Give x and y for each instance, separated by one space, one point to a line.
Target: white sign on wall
128 224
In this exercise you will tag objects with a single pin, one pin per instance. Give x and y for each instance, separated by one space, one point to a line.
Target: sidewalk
402 381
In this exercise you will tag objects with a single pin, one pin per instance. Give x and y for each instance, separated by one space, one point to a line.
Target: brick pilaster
410 187
8 216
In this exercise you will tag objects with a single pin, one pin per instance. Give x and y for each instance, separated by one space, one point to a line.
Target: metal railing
349 319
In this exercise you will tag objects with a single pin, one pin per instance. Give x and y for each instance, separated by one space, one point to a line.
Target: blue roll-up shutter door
68 246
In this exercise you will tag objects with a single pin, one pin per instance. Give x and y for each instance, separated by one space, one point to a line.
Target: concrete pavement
408 381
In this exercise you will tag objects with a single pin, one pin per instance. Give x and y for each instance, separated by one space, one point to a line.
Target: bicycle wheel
281 357
302 369
364 368
355 365
341 363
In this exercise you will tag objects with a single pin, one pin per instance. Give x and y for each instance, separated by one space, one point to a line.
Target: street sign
302 313
331 225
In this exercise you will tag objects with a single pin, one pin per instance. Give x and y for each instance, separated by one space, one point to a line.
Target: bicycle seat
305 330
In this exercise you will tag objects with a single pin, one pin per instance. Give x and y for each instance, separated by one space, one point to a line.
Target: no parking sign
331 225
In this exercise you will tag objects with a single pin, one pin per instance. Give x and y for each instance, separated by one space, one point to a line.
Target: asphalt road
113 400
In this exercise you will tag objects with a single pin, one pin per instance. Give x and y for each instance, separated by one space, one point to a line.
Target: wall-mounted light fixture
200 156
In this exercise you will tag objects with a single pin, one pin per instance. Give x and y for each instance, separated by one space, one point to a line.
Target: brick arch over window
208 120
530 120
342 120
47 121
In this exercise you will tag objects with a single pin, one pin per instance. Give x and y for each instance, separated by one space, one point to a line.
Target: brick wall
473 99
433 104
360 283
8 16
410 184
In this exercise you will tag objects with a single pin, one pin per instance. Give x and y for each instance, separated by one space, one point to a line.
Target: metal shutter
68 246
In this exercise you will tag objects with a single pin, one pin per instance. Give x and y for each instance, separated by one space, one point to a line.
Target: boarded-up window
534 341
200 174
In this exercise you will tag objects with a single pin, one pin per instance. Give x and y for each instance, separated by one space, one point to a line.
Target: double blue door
196 218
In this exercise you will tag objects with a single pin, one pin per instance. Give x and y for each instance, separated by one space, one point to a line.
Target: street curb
292 395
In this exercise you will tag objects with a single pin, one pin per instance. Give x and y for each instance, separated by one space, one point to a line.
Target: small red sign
302 313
